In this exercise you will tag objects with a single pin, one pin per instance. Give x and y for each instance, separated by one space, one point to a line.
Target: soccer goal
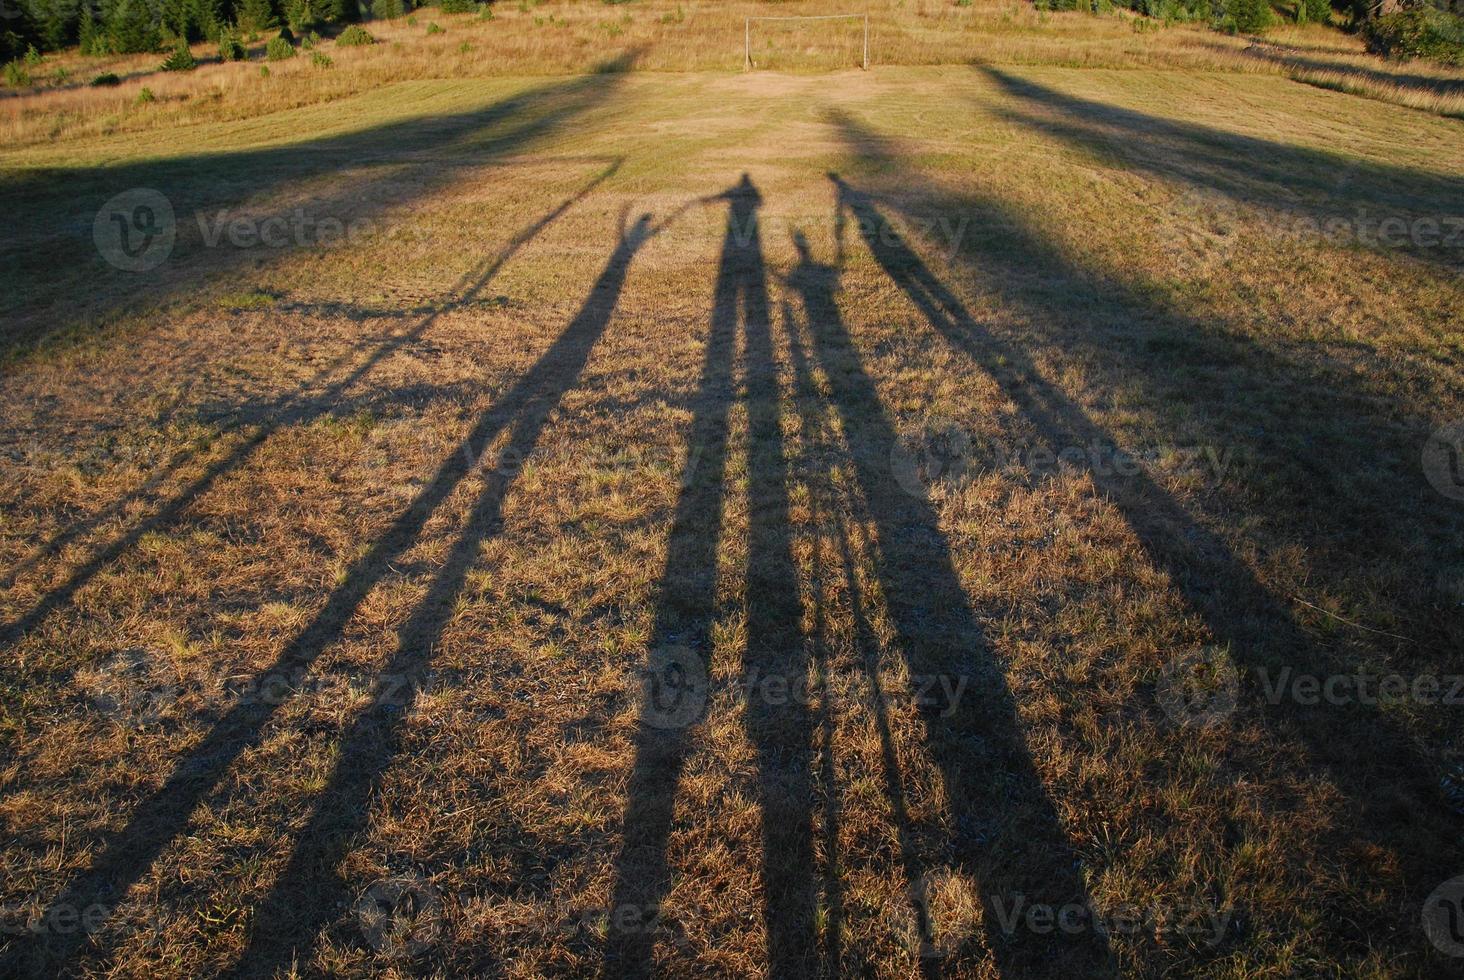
767 40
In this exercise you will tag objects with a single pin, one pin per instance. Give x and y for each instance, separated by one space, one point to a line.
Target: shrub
354 37
15 74
434 28
105 80
264 71
145 96
32 56
278 49
230 47
321 60
309 41
1417 33
459 6
181 59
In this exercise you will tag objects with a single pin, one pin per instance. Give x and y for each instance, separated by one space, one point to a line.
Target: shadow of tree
52 275
1285 180
289 408
1296 56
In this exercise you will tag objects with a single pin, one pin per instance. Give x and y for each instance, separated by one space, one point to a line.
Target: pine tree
300 15
257 16
52 22
208 18
91 38
177 19
132 26
17 34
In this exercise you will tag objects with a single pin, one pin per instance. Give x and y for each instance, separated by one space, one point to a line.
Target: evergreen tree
52 22
177 18
17 33
302 15
208 18
257 16
89 34
132 26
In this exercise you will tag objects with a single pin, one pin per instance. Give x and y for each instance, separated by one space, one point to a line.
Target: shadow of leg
680 656
1008 839
775 671
310 890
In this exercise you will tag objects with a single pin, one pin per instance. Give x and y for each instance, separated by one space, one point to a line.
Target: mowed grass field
704 523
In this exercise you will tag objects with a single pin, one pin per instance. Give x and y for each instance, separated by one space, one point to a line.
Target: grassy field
562 508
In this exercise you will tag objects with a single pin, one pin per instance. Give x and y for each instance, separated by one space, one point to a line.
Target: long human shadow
681 642
781 729
310 889
288 408
1299 181
1392 788
411 159
160 818
1007 837
1385 510
810 278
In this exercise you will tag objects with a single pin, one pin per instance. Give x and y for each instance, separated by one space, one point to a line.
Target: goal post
747 33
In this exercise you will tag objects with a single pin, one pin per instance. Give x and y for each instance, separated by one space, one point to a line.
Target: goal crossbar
747 32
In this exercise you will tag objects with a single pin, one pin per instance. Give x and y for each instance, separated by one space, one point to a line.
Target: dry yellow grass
692 36
332 573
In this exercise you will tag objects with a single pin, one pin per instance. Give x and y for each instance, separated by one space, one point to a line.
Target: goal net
824 42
